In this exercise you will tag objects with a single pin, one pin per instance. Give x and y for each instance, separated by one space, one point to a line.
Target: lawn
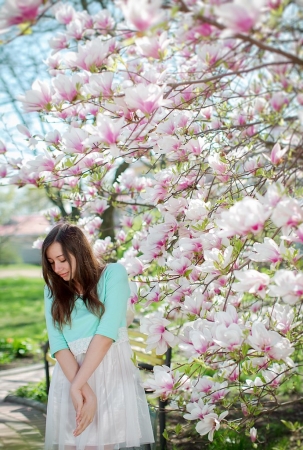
21 308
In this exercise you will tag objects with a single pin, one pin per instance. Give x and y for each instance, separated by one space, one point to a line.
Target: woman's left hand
78 400
85 404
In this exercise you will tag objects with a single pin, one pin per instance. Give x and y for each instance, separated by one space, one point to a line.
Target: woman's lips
63 274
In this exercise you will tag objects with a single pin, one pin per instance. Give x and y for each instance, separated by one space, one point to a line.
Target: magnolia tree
202 100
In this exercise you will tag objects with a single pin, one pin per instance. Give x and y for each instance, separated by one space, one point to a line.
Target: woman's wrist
75 387
87 390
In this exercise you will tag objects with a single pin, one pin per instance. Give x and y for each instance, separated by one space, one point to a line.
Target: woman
95 401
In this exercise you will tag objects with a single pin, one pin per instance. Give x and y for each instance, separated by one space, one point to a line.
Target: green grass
18 266
21 308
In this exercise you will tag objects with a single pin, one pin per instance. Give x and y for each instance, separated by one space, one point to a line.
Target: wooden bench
144 361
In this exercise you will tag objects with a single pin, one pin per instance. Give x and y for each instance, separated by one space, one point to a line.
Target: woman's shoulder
114 269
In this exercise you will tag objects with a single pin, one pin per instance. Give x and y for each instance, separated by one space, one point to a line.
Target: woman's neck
78 288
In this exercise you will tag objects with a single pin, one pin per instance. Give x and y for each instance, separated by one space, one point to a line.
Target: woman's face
58 262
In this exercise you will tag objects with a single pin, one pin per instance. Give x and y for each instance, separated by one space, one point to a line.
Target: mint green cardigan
113 291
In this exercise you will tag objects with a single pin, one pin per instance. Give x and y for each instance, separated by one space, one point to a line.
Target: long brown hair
87 273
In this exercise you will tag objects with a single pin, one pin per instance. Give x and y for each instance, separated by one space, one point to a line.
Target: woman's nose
57 267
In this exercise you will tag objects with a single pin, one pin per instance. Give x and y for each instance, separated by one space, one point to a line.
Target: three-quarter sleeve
114 292
56 339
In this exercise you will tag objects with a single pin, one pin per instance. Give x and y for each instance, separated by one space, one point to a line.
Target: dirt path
14 273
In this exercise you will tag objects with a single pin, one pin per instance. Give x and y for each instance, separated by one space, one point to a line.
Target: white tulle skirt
122 419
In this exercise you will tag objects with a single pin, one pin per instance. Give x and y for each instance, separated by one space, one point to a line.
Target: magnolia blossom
288 285
99 206
103 21
101 246
24 130
276 156
133 265
153 47
220 167
163 382
64 13
197 210
93 225
278 100
251 281
210 423
15 12
3 171
253 434
145 16
196 338
239 16
274 374
146 98
179 265
268 251
244 217
270 342
3 149
44 162
216 260
108 130
230 337
274 194
38 98
66 87
288 212
99 84
198 410
58 42
158 336
90 55
74 140
38 243
195 304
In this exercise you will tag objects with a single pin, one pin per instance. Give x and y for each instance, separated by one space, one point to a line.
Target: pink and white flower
198 410
209 424
244 217
39 98
98 206
144 17
74 140
64 13
269 342
251 281
253 434
288 212
268 251
146 98
158 336
239 16
3 148
288 285
153 47
276 156
163 382
67 87
15 12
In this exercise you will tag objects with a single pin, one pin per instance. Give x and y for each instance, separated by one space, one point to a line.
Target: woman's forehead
54 250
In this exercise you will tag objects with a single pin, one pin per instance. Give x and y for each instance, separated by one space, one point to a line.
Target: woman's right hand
88 410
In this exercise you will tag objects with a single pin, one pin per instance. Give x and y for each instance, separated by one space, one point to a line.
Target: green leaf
165 434
178 428
290 425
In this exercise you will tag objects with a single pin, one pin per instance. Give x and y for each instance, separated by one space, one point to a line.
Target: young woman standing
95 401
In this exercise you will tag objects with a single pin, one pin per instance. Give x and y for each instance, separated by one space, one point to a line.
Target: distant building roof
31 225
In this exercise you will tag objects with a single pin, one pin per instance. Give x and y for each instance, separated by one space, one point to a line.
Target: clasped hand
85 404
